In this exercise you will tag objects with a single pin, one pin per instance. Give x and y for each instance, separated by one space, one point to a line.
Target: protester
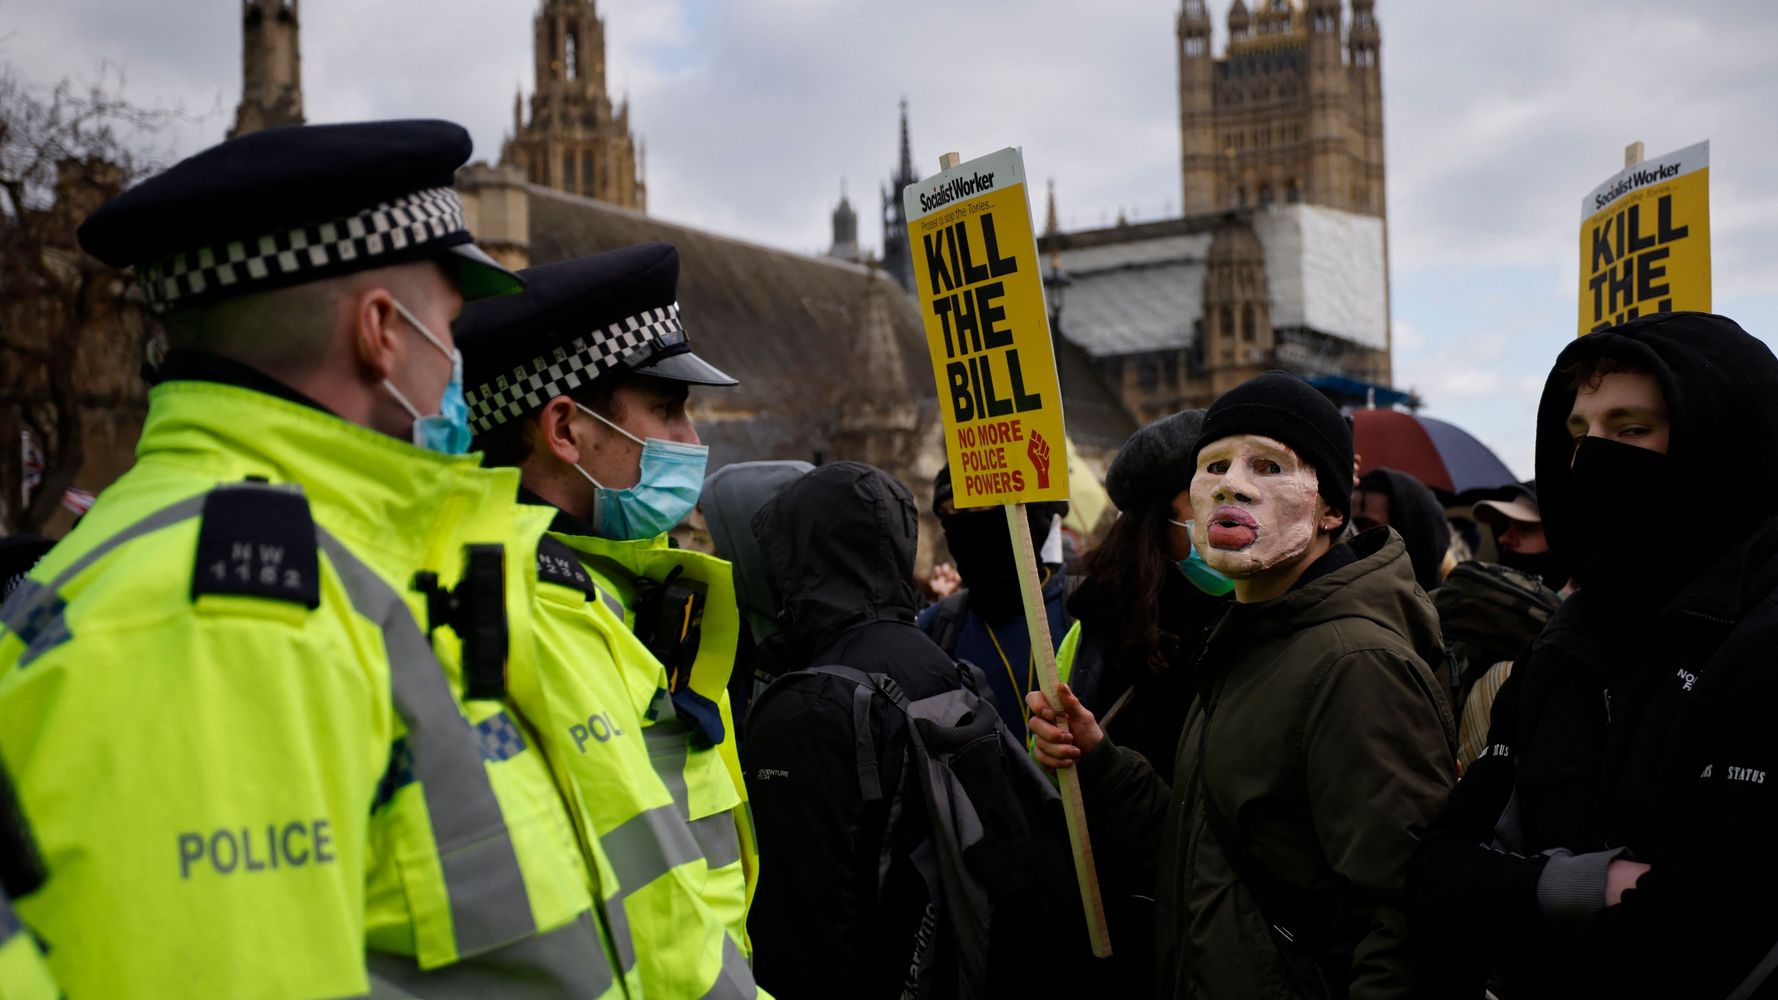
861 897
1318 745
1148 600
732 495
1398 500
1610 841
1143 611
1517 525
983 622
636 671
263 751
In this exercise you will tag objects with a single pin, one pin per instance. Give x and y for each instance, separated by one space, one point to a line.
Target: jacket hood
732 495
1378 586
1719 383
1415 514
839 551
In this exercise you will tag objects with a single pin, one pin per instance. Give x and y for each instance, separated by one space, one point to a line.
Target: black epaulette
258 540
557 563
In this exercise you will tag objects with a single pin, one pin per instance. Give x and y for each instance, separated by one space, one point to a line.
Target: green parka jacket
1329 749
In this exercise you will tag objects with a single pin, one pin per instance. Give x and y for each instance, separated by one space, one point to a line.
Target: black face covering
982 547
1619 552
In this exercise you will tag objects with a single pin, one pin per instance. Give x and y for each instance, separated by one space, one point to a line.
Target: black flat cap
577 320
1155 464
289 205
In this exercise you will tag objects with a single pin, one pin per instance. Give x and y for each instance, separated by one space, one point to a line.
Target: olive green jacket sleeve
1378 764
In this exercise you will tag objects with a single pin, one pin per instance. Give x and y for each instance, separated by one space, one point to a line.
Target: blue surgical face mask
670 480
1199 572
446 431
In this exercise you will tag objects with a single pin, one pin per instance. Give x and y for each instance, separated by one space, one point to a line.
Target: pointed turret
845 229
271 67
1238 21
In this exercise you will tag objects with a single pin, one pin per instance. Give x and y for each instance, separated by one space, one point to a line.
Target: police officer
582 382
255 701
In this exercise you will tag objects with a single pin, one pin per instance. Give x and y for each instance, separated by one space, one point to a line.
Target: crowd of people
377 675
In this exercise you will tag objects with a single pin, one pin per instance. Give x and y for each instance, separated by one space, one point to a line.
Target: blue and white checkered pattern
388 228
570 366
498 737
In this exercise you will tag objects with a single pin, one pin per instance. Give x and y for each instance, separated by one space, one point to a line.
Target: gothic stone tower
898 258
1292 112
271 67
575 141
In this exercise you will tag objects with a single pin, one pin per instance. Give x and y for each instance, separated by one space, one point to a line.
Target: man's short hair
1588 370
511 442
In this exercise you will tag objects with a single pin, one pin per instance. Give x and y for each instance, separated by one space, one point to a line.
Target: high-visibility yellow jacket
598 740
248 770
705 780
23 974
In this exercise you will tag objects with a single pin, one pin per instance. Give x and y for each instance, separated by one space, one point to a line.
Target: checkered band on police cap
391 227
569 366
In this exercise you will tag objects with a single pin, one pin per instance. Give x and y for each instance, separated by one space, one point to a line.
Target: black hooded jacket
1643 734
839 551
1415 514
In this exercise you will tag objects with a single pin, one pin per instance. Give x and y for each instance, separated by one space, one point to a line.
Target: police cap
577 320
288 205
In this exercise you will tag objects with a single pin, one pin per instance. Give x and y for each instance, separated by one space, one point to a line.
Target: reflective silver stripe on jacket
648 845
735 981
569 961
489 905
718 839
34 610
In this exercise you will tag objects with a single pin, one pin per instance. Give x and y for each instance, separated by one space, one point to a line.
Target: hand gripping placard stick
1086 873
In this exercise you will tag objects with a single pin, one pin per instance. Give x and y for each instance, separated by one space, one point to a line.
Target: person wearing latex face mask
1318 745
582 383
984 621
1143 609
1627 793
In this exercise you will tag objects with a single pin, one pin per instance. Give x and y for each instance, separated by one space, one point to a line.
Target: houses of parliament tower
576 140
1292 113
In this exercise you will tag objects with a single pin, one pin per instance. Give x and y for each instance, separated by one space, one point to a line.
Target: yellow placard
1645 241
987 328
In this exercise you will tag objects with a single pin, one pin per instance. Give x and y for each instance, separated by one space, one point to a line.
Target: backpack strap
947 620
866 686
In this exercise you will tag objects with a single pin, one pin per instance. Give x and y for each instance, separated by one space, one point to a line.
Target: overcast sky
1500 116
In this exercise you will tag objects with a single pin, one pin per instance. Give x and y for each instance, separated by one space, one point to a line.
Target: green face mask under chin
1199 572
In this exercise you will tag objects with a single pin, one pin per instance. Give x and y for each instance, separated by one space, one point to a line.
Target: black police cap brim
685 367
478 275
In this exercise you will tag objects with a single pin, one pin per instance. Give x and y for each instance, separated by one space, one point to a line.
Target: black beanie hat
1153 464
1287 409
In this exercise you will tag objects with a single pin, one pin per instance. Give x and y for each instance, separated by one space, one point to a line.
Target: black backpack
978 822
1488 613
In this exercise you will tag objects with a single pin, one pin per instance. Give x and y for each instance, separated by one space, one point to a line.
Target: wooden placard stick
1074 808
1037 624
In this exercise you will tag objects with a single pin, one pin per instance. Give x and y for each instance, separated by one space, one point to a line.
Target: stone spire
271 67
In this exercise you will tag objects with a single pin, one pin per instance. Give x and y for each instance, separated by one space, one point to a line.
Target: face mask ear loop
589 477
415 322
399 398
600 417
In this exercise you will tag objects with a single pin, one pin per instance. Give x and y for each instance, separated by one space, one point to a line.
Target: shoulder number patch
258 541
557 563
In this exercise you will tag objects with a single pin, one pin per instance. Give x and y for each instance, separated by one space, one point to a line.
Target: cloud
1501 114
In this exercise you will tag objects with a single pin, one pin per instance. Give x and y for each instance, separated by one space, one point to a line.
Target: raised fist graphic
1039 451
